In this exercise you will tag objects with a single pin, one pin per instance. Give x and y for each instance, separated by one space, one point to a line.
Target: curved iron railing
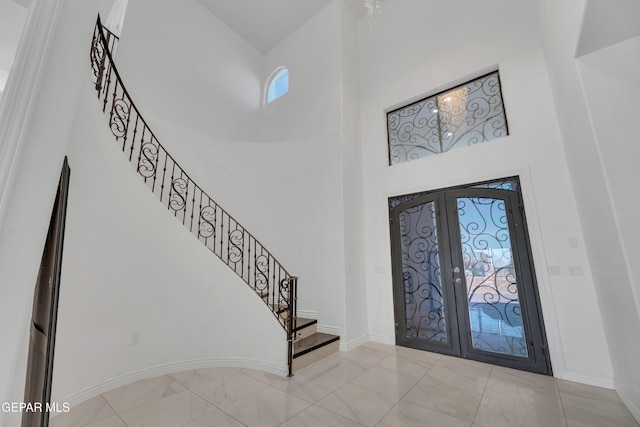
197 211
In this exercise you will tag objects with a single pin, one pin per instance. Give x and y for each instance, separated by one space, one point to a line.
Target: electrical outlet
135 338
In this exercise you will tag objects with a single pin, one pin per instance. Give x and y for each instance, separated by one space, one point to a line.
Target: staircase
309 345
213 226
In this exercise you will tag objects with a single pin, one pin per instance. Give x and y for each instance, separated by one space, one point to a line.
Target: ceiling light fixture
372 6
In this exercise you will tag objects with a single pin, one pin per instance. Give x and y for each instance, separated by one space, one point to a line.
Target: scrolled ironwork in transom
507 184
469 114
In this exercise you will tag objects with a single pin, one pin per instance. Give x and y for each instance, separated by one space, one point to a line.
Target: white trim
307 314
23 85
594 380
382 339
328 330
545 290
170 368
354 343
629 403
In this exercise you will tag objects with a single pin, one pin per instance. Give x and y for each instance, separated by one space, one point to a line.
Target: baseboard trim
171 368
595 380
308 314
628 402
355 343
382 339
325 329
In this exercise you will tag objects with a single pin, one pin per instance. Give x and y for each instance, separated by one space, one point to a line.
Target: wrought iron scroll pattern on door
463 277
423 295
492 286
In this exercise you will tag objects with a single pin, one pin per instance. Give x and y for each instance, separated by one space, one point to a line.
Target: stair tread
302 323
313 342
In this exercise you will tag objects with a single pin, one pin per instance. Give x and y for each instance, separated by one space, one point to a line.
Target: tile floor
372 385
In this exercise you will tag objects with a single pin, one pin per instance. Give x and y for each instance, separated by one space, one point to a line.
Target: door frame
43 323
539 359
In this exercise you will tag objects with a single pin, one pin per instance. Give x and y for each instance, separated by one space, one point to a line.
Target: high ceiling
607 22
265 23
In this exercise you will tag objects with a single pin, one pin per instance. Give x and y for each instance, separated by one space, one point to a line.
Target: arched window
278 84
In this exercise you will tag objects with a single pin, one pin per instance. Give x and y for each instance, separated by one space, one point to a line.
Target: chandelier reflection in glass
453 106
462 116
372 6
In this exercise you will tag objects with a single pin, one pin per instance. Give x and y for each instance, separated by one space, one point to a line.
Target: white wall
131 272
277 169
12 20
413 52
188 71
312 55
355 287
309 120
295 166
611 87
609 261
35 175
107 284
286 191
607 22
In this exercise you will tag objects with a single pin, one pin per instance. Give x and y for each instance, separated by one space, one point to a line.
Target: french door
463 278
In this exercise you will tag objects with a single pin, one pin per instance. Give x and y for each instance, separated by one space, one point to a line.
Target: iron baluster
200 221
106 87
155 173
135 132
164 174
171 188
292 285
193 204
249 264
186 197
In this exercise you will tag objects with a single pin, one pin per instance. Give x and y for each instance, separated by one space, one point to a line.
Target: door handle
457 280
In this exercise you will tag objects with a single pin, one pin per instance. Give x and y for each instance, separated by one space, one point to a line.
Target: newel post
291 318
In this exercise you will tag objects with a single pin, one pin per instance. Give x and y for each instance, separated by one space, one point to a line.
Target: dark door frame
45 313
459 341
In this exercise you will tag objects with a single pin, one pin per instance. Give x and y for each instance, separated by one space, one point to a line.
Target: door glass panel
422 285
492 289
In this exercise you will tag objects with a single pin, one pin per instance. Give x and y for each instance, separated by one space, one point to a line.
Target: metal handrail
213 226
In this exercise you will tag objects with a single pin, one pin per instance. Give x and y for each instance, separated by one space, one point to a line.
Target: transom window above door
462 116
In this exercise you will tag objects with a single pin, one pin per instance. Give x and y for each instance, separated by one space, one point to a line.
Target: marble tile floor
372 385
